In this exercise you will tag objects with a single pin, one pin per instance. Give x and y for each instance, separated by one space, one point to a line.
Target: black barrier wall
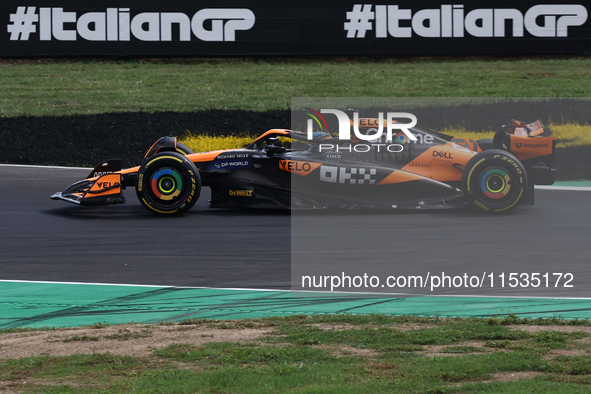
303 27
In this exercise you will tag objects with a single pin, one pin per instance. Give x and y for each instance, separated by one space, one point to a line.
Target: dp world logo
395 130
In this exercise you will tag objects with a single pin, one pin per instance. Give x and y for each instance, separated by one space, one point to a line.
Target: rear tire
168 184
494 181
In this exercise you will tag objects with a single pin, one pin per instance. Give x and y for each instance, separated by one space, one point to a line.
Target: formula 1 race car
285 169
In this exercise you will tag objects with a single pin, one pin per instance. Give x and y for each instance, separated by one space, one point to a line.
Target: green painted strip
26 304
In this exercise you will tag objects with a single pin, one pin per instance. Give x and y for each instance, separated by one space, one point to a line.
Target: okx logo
395 126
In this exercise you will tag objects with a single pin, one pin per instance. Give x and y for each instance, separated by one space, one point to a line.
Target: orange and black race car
286 169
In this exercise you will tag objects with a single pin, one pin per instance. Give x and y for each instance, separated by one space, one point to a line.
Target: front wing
104 190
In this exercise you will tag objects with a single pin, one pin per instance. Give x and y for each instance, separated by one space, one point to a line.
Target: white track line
76 283
130 285
570 188
382 295
48 167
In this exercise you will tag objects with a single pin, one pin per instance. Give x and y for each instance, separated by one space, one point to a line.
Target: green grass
89 87
225 353
332 354
77 366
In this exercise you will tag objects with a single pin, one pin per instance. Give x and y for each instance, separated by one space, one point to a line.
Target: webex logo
388 127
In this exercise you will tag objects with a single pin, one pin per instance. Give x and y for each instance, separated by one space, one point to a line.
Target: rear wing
534 147
535 129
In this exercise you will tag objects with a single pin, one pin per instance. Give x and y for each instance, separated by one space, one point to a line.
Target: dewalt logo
240 193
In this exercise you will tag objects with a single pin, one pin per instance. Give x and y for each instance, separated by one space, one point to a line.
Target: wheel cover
495 183
166 184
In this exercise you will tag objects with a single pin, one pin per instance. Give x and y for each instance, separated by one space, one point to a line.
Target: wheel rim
495 183
166 184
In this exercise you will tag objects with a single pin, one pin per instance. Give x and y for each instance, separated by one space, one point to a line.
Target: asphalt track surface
42 239
45 240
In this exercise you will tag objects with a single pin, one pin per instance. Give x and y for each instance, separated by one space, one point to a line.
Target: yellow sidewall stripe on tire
157 210
470 174
163 157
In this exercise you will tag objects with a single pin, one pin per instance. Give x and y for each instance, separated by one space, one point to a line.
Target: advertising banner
264 28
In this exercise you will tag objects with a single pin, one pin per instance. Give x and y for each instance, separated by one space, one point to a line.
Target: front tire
184 149
494 181
168 184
